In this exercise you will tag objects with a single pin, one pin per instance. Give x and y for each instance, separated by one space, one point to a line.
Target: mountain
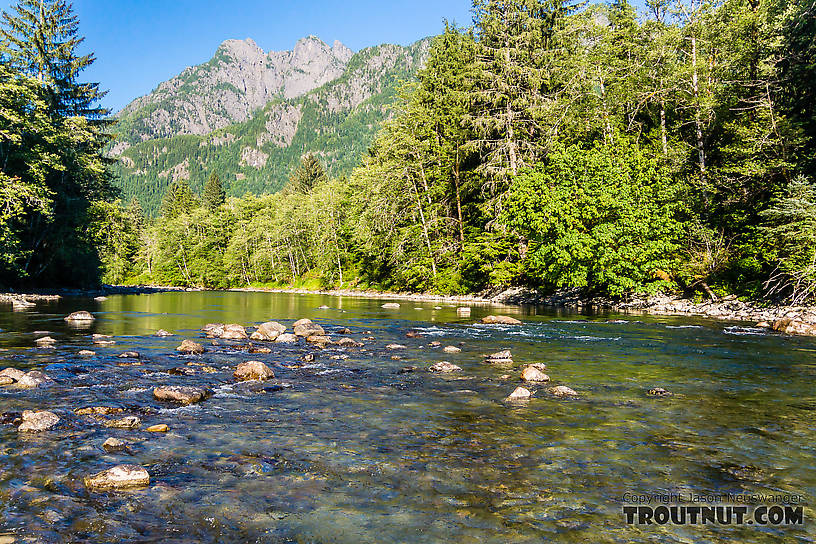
249 116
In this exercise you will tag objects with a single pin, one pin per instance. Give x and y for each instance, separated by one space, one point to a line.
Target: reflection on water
353 451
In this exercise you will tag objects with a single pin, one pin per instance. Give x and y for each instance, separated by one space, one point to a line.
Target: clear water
356 452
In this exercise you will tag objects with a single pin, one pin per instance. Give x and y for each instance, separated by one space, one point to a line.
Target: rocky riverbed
231 416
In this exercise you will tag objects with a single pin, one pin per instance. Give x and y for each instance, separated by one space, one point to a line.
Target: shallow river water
355 451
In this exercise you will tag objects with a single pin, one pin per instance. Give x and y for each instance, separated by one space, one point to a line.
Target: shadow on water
348 448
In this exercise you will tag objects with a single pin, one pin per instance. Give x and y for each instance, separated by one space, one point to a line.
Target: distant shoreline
799 320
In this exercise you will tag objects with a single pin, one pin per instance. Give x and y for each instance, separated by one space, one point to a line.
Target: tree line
551 144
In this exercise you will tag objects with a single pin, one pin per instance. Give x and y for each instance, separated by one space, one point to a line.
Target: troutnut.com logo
719 509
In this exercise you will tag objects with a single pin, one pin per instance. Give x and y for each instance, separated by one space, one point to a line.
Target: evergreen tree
214 194
308 174
178 200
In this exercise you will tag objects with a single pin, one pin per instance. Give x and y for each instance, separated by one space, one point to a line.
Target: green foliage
214 194
179 200
606 217
309 173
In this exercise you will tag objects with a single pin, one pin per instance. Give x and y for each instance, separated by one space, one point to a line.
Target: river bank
787 319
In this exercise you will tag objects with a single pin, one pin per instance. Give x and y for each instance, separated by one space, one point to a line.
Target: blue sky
139 43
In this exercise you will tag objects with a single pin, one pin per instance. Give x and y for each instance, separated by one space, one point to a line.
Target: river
351 448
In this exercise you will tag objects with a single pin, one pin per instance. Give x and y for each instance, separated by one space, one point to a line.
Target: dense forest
552 144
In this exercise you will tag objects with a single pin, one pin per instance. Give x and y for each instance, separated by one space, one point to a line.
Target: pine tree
178 200
309 173
214 194
42 37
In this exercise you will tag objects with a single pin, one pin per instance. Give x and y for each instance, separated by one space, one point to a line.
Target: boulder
795 327
34 378
12 373
127 422
233 331
163 333
253 370
159 428
45 341
286 338
391 306
318 339
533 374
129 355
451 349
309 329
37 421
268 331
213 329
301 322
500 320
503 356
519 394
113 444
562 391
80 316
444 366
119 477
349 343
181 394
190 347
6 380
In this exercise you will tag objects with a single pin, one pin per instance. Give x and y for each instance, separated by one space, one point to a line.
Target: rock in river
34 378
163 333
98 411
45 341
503 356
658 392
181 394
533 374
37 421
213 329
309 329
451 349
349 343
268 331
286 338
127 422
119 477
234 331
6 380
129 355
795 326
86 353
520 393
444 366
80 316
113 444
391 306
396 346
253 370
12 373
188 346
159 428
562 391
500 320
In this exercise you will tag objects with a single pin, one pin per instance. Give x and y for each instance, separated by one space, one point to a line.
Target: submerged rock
234 331
80 316
268 331
413 334
406 369
451 349
658 392
98 411
127 422
37 421
500 320
34 378
286 338
119 477
113 444
159 428
533 374
562 391
444 366
391 305
181 394
190 347
519 393
103 339
253 370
